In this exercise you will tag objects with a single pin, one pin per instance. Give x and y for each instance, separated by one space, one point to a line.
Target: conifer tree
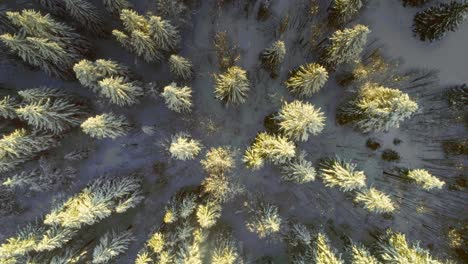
378 108
264 220
208 214
346 45
181 67
273 56
41 93
106 125
232 87
323 252
344 10
221 187
7 107
225 252
276 149
54 115
111 244
297 120
361 255
425 179
434 22
184 148
335 172
86 14
88 74
298 170
116 6
178 99
219 160
307 80
375 201
163 33
20 146
119 91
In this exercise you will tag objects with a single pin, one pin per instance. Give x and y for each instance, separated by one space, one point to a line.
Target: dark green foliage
434 22
373 143
415 2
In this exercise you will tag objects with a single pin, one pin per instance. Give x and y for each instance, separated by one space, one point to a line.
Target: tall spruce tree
434 22
232 87
116 6
7 107
85 13
106 125
346 45
307 80
344 10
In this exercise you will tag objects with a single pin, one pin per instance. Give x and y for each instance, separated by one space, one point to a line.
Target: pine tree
425 179
157 242
434 22
41 93
360 255
184 148
297 120
378 108
119 91
208 214
344 10
232 87
335 172
264 220
111 244
54 115
307 80
219 160
106 126
221 187
19 245
394 248
225 252
87 74
174 10
298 170
54 238
346 45
323 252
181 67
163 33
375 201
7 107
276 149
86 14
178 99
20 146
116 6
273 56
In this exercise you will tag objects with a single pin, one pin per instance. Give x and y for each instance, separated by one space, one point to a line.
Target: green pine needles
8 107
375 201
116 6
341 174
434 22
180 67
425 179
323 252
299 119
346 45
276 149
110 80
298 170
344 10
178 99
232 86
273 56
264 220
147 37
307 80
106 125
183 147
110 245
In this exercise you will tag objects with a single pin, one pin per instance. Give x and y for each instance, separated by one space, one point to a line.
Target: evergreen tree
181 67
178 99
264 220
297 120
219 160
106 126
86 14
119 91
232 86
54 115
361 255
425 179
221 187
20 146
378 108
298 170
208 214
344 10
116 6
273 56
87 74
225 252
307 80
346 45
434 22
111 244
276 149
7 107
163 33
184 148
335 172
41 93
375 201
323 252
